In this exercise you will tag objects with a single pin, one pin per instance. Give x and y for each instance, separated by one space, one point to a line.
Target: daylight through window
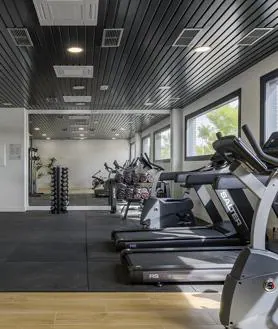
146 145
132 151
271 107
201 129
162 144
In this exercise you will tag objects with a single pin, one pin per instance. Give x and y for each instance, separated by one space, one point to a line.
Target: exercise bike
250 295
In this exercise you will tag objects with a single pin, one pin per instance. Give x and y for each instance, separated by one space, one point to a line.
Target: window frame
142 139
207 108
263 81
154 134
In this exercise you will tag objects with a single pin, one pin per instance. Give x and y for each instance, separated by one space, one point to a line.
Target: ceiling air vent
111 37
51 100
254 36
21 37
80 122
186 37
67 12
74 71
77 99
79 117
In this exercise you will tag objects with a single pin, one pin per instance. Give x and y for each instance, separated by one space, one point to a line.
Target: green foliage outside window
223 119
163 145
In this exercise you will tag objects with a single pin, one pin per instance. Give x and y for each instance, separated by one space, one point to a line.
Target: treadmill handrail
231 182
257 148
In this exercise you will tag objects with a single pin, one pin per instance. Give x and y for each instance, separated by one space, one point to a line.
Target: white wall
82 157
249 82
13 176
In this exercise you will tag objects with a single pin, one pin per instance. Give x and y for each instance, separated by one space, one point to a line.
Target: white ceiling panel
67 12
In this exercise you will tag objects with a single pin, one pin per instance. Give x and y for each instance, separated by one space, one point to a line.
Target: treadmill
207 264
221 232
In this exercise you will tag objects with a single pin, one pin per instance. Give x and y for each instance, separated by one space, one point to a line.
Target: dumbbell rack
59 190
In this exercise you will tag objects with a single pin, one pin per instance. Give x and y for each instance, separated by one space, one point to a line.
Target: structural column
177 140
138 144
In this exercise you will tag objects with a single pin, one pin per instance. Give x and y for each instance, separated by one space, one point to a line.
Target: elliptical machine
250 295
99 186
112 188
159 212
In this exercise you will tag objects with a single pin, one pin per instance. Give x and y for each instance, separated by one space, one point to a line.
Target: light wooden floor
109 310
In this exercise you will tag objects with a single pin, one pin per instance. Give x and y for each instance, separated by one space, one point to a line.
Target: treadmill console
233 148
270 147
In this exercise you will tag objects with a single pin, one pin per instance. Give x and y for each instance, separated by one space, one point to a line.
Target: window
162 144
223 116
132 151
146 145
269 105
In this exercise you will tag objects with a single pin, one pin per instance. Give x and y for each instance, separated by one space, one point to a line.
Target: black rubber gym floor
74 200
68 252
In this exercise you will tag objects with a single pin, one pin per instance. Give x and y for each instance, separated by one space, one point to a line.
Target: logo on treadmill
154 276
230 207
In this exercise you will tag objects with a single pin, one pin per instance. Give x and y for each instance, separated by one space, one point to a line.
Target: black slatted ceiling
145 59
96 126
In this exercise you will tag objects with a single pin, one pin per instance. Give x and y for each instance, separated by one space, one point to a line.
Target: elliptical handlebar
109 169
96 173
117 166
153 164
145 162
126 164
257 148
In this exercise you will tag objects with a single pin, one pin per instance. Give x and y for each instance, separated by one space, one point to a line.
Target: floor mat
43 276
68 252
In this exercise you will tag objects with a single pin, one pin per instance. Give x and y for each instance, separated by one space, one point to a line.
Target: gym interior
138 164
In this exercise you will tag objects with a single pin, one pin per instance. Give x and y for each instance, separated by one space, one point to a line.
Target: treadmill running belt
173 234
179 266
175 238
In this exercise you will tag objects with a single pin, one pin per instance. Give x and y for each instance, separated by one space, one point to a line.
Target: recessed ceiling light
81 135
80 128
48 138
117 134
173 99
202 49
148 104
43 135
164 87
7 104
37 128
122 129
104 87
75 50
80 104
96 122
113 138
78 87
